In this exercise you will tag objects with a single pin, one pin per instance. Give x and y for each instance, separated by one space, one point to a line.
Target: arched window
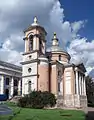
29 86
30 42
40 45
59 57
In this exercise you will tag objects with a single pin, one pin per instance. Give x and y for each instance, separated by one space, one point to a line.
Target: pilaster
77 89
2 85
19 87
80 84
11 92
84 86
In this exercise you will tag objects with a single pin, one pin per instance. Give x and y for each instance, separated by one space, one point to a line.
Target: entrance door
7 93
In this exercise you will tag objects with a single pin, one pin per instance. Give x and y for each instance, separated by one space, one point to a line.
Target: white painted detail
11 90
43 63
19 85
68 78
53 66
35 43
25 84
80 83
2 85
84 87
68 73
68 87
77 89
69 68
40 58
63 62
9 69
61 87
33 67
27 58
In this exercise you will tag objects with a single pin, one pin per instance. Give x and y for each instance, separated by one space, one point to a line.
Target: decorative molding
30 52
30 61
35 27
30 75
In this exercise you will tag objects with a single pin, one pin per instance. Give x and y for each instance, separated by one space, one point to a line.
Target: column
80 84
19 87
2 85
84 85
34 43
11 88
77 86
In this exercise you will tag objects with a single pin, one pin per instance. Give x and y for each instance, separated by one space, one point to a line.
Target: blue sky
65 17
76 10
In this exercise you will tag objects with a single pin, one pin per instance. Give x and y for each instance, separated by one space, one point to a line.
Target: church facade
50 69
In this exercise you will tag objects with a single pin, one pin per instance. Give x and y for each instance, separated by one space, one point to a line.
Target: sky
72 20
80 10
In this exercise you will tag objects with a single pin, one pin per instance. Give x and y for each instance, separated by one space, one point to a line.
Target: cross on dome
55 35
35 23
35 19
55 40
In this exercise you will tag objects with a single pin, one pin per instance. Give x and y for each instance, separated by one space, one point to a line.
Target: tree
90 89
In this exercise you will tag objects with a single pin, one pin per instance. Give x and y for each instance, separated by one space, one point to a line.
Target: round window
30 57
29 70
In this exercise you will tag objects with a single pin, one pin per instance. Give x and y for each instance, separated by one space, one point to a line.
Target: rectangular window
15 82
31 45
7 81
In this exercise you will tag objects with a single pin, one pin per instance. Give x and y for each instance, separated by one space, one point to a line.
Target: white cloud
82 51
16 15
11 56
76 26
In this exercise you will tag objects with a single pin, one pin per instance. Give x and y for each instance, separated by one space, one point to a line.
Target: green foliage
90 104
37 99
90 90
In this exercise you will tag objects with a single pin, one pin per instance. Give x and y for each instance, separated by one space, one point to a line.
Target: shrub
22 102
48 99
37 99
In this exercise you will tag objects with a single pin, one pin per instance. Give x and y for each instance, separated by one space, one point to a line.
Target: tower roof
55 46
35 25
55 40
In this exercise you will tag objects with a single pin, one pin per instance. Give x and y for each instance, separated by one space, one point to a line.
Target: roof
32 27
35 25
9 65
56 49
81 66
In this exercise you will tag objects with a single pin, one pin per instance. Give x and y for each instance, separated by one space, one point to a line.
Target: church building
49 69
10 79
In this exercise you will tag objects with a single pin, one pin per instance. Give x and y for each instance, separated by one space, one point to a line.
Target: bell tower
35 38
34 47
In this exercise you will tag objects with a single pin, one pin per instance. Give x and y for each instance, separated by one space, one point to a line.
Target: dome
55 46
54 49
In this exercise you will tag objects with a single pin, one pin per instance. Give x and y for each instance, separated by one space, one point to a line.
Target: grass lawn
39 114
